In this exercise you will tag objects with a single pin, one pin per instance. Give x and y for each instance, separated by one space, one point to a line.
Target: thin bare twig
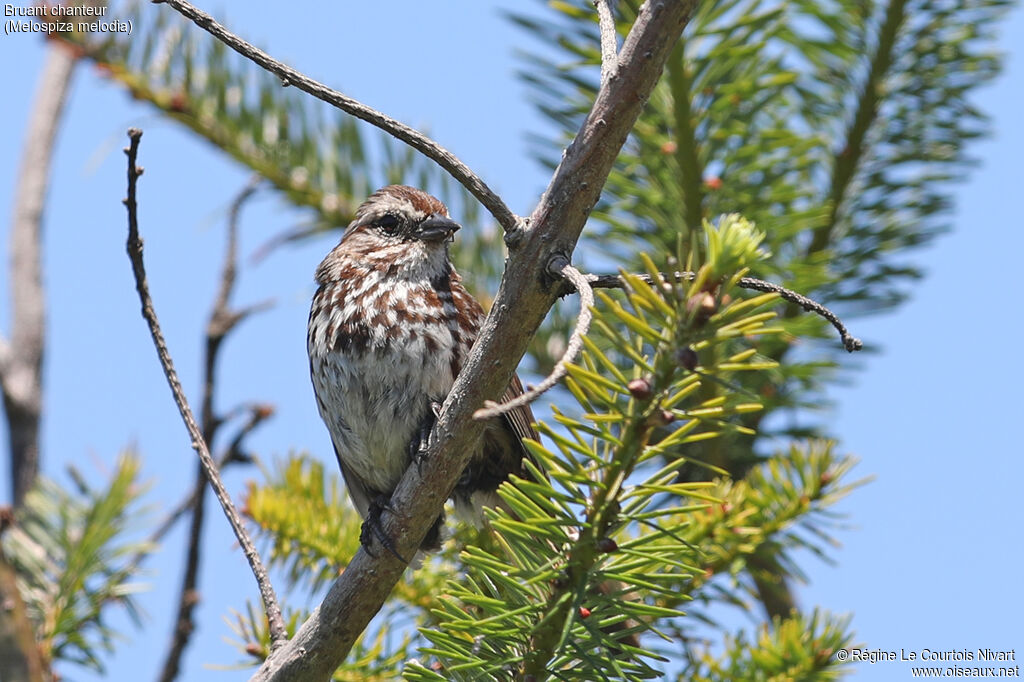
182 508
291 234
223 319
510 222
559 265
585 284
258 413
134 248
850 342
609 40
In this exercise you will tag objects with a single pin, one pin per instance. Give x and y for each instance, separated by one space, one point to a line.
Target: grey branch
21 359
134 248
585 285
850 342
522 301
560 266
609 39
222 318
510 222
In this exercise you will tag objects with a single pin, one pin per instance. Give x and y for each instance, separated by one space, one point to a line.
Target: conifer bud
640 389
687 358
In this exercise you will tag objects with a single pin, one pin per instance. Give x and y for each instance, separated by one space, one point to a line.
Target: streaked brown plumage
389 328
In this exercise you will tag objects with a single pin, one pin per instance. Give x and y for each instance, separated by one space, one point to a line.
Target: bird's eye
388 223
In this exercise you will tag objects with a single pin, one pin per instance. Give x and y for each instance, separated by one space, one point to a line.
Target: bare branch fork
510 222
134 248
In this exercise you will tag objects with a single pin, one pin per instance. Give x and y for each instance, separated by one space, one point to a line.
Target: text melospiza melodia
389 328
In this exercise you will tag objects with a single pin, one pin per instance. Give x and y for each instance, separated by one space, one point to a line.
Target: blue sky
933 552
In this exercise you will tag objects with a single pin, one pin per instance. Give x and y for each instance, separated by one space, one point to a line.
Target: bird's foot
372 528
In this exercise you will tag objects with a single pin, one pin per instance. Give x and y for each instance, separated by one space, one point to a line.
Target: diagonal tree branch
524 297
21 359
233 453
510 222
134 248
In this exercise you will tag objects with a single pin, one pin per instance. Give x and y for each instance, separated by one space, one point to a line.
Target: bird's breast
379 354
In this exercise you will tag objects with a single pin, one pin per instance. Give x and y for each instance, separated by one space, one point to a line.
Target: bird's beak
437 228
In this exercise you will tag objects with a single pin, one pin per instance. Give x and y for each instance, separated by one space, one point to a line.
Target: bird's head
398 214
400 230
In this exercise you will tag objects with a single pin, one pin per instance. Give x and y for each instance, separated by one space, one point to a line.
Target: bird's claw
372 528
419 446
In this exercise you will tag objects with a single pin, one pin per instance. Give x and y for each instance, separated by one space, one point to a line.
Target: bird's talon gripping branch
372 527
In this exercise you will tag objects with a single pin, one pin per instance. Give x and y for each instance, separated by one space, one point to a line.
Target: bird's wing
520 420
356 488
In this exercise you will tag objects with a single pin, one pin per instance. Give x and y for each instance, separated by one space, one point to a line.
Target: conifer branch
687 150
847 159
573 280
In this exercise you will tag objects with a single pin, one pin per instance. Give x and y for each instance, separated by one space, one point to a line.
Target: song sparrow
389 328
